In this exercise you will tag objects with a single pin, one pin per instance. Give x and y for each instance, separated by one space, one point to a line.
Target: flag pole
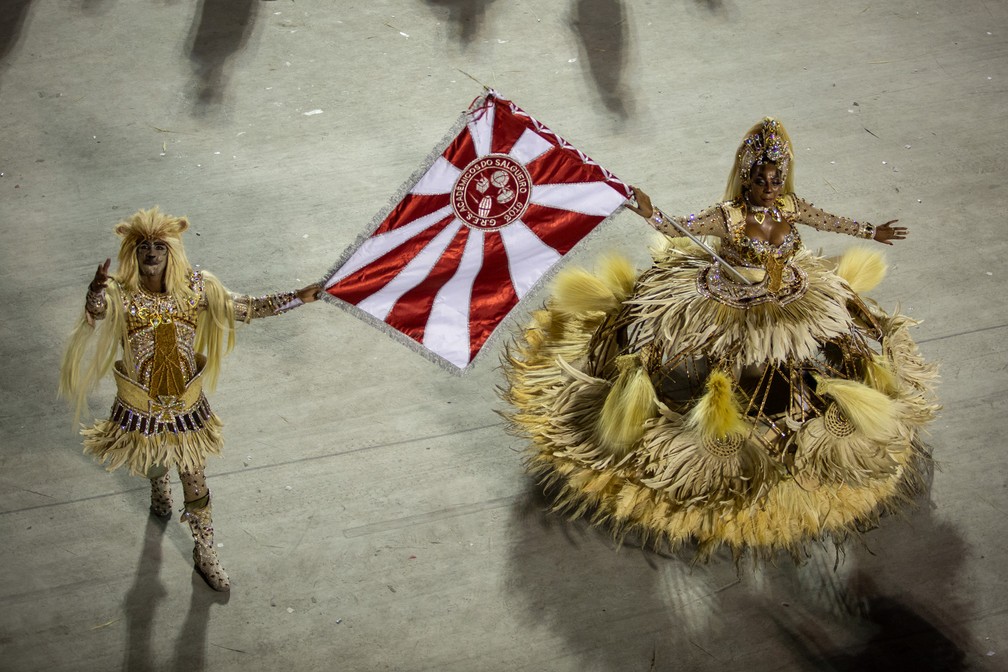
709 250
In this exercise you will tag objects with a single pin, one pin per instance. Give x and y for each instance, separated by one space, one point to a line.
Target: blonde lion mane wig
154 225
215 331
738 179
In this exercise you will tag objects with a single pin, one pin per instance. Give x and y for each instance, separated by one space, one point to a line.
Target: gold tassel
863 269
630 403
717 414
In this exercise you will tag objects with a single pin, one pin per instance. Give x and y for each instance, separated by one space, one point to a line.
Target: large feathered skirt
679 410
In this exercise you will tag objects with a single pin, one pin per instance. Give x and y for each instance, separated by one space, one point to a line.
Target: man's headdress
151 225
154 225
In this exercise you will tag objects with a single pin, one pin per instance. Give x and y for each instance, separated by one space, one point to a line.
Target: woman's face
765 184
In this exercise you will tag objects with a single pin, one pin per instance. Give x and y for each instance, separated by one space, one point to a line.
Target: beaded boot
204 554
160 496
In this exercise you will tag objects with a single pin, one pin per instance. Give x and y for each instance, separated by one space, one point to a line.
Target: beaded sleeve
708 222
810 215
252 307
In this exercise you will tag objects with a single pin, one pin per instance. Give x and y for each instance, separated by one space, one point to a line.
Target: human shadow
12 22
905 641
891 636
603 31
143 597
191 643
220 31
467 15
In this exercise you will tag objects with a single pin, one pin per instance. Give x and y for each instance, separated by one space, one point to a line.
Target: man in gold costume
172 324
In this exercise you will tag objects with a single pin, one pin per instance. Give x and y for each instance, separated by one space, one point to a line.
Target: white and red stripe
474 234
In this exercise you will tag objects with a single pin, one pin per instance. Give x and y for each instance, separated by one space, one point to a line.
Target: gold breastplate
161 335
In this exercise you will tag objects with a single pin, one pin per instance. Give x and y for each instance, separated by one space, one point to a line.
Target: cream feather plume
863 269
718 413
630 403
871 411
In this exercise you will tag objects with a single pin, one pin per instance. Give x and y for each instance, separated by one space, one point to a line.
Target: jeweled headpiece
766 144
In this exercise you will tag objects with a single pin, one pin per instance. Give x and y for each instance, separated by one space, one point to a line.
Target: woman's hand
644 208
101 277
886 232
309 293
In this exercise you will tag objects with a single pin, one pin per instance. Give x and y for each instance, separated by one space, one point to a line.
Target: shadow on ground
220 31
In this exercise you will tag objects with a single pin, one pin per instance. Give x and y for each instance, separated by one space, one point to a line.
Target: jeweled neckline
764 244
144 290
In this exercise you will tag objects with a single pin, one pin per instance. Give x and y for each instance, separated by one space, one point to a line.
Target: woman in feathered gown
757 404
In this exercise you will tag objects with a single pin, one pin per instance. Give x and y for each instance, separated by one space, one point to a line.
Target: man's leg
198 515
160 495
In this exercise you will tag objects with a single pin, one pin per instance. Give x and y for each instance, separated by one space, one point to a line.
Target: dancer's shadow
905 640
891 611
143 597
191 644
220 31
142 602
468 15
602 26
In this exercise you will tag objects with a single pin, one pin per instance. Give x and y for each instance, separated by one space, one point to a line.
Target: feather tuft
863 269
879 374
578 291
718 413
618 274
870 411
630 403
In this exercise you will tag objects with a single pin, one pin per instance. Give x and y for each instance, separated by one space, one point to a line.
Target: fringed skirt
680 410
144 433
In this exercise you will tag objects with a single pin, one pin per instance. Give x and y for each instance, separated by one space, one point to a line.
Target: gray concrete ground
373 513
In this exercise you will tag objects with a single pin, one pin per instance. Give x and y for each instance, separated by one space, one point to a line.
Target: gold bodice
739 249
162 336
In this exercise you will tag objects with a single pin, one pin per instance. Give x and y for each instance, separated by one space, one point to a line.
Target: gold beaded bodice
162 337
728 221
161 328
161 332
738 247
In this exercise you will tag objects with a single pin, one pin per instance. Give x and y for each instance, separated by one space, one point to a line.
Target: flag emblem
474 231
491 192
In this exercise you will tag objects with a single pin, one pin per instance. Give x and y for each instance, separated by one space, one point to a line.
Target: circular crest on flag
491 192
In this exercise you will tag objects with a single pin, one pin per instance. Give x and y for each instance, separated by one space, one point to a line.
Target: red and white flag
498 206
